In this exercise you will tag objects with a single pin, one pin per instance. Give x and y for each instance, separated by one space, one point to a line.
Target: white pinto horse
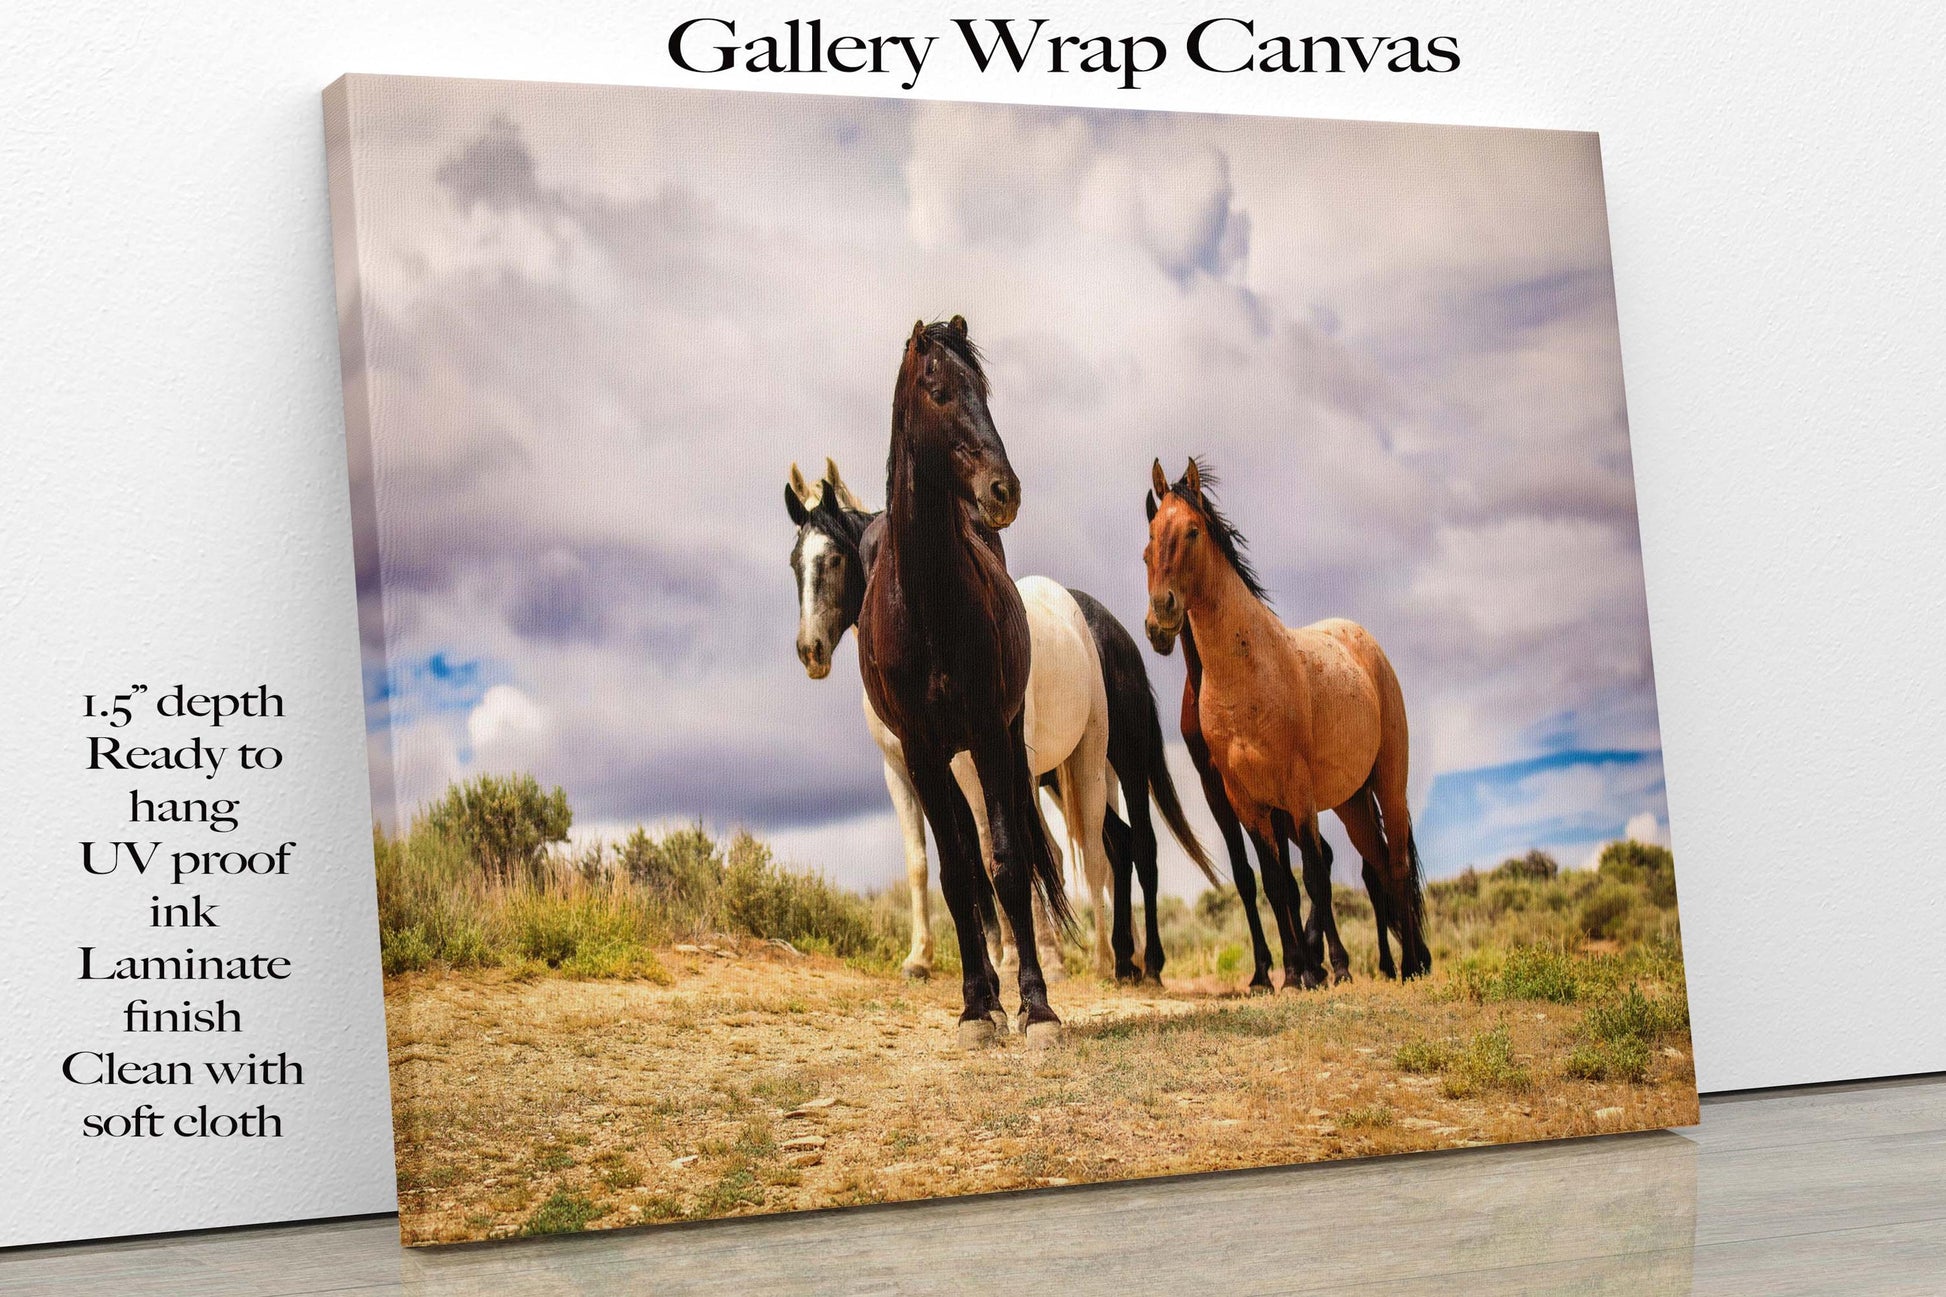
1066 724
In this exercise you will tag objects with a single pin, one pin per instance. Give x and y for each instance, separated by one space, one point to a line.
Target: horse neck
1224 612
927 531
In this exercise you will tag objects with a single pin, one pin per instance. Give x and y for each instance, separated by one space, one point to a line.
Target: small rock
1671 1053
802 1142
1054 1181
1366 1049
809 1157
1320 1112
687 949
1324 1076
1608 1114
1418 1123
689 1160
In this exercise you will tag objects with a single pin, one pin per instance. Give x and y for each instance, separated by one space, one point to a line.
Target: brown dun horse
943 646
1296 720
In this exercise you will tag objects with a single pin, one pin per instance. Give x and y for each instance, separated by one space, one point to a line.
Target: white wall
175 497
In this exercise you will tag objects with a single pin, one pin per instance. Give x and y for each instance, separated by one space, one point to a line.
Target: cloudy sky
599 324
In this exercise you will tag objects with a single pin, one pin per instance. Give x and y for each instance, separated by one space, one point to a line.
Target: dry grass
544 1104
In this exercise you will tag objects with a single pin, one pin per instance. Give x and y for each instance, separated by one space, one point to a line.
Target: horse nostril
1001 492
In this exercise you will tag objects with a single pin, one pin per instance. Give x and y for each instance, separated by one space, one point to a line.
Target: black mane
957 342
1221 530
844 527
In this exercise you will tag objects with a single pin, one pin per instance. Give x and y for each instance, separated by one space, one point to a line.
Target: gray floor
1830 1190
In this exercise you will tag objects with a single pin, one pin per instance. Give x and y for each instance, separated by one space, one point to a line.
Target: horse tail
1162 787
1047 879
1416 892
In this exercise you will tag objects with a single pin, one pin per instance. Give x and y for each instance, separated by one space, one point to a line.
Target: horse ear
919 336
798 484
795 506
1194 476
1160 479
1148 503
839 491
958 325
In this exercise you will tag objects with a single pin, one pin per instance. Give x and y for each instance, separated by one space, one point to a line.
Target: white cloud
604 322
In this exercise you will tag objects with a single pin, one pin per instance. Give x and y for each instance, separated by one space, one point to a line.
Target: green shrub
1623 1060
1604 913
1424 1056
1633 1015
1527 973
1217 905
1641 865
1536 865
1484 1062
563 1213
504 823
682 868
765 900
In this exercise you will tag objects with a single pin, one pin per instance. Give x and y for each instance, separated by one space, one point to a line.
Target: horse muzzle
1164 622
999 501
816 657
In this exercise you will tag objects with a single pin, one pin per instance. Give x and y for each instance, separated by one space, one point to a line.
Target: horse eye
1193 533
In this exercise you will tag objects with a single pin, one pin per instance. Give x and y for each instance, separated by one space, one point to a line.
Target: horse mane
956 341
844 527
1228 539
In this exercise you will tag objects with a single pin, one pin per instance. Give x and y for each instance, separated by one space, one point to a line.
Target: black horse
836 543
943 649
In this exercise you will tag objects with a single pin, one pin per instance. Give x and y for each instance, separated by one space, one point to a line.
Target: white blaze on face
809 559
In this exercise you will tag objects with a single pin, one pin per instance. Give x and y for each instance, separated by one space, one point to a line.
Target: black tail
1163 788
1046 874
1417 896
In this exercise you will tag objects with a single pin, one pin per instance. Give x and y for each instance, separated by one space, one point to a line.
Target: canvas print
919 649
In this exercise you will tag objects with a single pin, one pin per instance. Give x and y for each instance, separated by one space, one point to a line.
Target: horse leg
951 819
1402 875
1084 803
1143 850
1360 818
1117 841
1322 932
1000 936
1047 933
1246 882
912 826
1281 890
1012 822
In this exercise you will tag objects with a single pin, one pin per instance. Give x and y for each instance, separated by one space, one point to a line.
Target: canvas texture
919 649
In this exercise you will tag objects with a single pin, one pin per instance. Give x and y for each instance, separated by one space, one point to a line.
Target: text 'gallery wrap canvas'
832 739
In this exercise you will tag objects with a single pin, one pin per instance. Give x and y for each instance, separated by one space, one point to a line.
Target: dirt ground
762 1080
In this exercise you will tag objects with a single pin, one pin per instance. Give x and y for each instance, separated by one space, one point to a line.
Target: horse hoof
915 972
1152 980
1043 1035
1261 988
1310 981
999 1020
1340 976
1128 977
976 1033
